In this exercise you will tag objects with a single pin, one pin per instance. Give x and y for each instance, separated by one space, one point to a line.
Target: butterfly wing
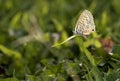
85 24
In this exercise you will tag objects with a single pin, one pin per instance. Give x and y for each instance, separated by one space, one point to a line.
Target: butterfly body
85 24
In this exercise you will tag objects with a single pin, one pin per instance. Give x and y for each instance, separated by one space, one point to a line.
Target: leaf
112 75
115 52
9 52
86 52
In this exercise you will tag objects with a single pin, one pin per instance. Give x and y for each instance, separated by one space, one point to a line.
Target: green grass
29 29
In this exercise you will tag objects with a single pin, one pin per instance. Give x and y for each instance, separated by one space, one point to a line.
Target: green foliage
37 42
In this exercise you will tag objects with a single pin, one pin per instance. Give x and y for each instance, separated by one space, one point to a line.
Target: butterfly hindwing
85 24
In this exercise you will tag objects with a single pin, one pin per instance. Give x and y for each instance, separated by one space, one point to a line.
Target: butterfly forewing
85 24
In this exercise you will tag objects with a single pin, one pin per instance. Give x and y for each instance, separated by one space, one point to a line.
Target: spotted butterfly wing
85 24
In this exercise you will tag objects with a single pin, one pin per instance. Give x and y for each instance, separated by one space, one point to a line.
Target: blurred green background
28 29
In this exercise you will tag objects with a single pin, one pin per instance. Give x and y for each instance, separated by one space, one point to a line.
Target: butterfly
85 24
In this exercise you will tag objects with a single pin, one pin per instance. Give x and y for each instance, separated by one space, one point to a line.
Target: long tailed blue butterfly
85 24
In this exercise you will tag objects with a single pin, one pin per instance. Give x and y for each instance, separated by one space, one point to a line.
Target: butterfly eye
93 30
